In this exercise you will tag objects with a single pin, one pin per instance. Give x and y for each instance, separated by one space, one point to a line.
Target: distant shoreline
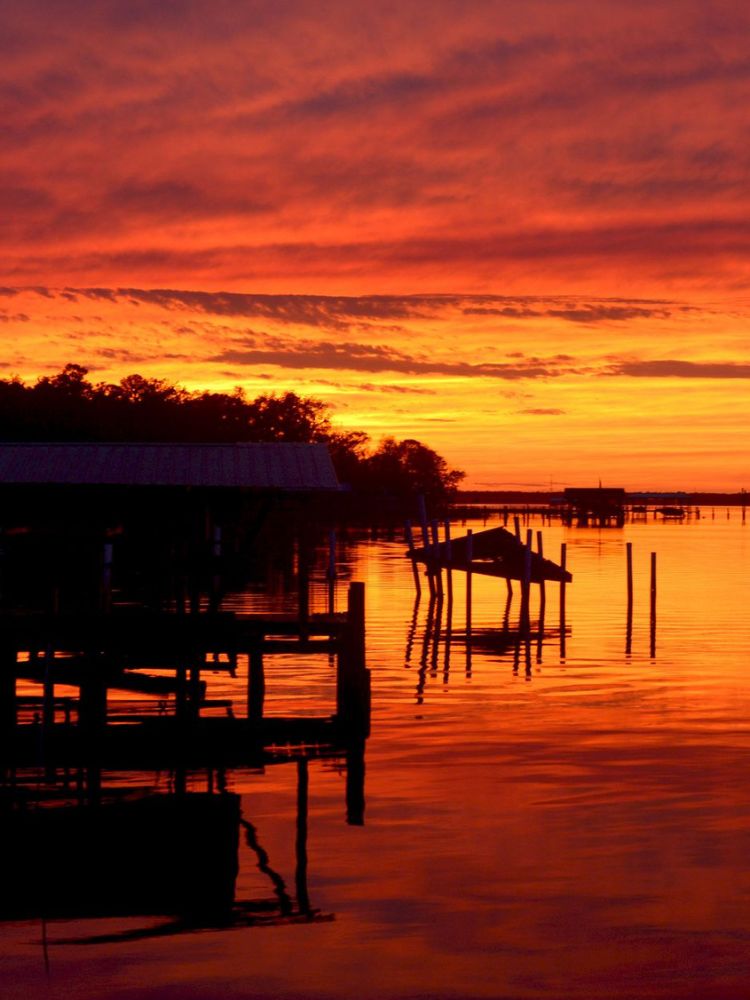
535 497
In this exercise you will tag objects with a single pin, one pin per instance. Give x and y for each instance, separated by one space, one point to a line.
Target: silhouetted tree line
68 407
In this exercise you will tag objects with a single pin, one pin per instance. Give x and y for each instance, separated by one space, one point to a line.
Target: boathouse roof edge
267 466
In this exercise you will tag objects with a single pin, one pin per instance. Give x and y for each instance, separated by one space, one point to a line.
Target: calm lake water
540 822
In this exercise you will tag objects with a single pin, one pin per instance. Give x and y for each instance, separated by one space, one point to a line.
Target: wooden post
448 561
195 692
303 581
563 567
435 558
422 508
540 550
8 704
517 526
526 586
469 558
353 678
256 682
216 568
426 543
92 719
653 604
331 571
414 567
107 578
629 621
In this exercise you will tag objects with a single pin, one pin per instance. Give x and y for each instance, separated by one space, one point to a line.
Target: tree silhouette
68 407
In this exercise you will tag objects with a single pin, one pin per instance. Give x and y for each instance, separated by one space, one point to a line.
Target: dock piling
414 569
653 605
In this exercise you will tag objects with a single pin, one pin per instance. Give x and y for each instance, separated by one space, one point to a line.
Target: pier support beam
353 677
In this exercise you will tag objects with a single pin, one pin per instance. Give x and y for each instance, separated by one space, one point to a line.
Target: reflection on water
556 811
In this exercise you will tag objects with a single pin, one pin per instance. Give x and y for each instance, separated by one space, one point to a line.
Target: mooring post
629 620
517 527
92 718
412 558
331 571
469 558
216 567
7 698
48 713
107 578
426 543
256 681
540 550
653 604
435 558
526 587
563 567
303 582
422 509
353 677
448 561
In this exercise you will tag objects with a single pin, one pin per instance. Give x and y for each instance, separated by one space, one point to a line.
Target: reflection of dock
516 639
134 855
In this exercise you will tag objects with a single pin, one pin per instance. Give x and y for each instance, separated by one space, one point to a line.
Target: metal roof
253 466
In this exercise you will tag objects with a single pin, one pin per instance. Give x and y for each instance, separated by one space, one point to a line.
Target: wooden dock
164 655
494 552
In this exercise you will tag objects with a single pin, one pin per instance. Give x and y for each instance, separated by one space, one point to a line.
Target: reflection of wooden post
355 784
300 875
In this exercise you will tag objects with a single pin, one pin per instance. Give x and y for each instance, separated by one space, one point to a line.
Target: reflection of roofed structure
602 506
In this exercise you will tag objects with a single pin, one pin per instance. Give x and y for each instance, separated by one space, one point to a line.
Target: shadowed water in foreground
546 816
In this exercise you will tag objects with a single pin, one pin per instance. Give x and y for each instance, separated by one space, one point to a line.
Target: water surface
552 819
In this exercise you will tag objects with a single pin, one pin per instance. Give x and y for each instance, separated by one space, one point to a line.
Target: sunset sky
517 231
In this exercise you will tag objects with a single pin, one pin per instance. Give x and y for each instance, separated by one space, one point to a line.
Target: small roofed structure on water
494 552
602 506
175 513
285 467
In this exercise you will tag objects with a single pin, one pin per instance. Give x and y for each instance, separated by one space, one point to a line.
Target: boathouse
173 514
601 506
114 560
